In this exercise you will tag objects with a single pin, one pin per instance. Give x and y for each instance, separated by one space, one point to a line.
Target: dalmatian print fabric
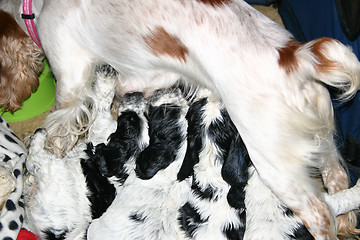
12 160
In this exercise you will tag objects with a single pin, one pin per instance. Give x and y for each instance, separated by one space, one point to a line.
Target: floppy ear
195 134
166 136
235 173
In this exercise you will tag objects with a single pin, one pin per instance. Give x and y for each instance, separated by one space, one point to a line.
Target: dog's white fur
272 86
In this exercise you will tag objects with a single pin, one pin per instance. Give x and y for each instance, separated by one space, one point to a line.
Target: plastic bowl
39 101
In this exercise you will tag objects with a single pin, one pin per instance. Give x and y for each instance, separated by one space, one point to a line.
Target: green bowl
39 101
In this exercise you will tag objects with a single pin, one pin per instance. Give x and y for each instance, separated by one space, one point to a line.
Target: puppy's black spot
123 145
190 219
195 135
223 132
236 197
137 217
108 161
166 137
236 232
52 234
17 172
102 193
301 233
206 194
287 212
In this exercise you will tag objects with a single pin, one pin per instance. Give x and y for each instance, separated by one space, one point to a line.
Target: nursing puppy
148 193
67 193
272 86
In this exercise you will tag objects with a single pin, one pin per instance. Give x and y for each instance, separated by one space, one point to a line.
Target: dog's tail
325 60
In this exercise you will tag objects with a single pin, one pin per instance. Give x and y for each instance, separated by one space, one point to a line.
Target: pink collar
29 17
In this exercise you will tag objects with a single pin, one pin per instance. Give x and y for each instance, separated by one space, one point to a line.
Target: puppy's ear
235 173
235 167
166 136
195 135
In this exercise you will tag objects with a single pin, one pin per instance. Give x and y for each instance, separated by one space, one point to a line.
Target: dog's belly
147 83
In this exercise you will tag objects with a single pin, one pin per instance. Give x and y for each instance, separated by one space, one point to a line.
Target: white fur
285 118
58 196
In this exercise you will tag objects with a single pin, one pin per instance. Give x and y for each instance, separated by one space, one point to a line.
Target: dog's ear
235 173
166 136
236 164
195 135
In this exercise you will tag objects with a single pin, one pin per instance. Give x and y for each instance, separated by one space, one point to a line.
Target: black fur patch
137 217
123 144
206 194
195 134
222 132
102 193
236 233
189 219
301 233
166 137
108 160
287 211
50 235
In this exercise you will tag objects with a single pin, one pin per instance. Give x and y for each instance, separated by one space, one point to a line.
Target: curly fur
272 86
20 64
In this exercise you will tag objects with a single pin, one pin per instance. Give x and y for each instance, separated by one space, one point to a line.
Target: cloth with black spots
12 157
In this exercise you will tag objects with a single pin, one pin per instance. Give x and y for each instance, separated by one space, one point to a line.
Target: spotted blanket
12 159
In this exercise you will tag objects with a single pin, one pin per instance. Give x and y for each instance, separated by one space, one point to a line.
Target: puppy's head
20 64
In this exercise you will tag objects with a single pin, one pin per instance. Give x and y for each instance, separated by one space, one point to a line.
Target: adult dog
272 86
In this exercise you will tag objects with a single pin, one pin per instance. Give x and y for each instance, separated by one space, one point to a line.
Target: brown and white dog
272 86
20 64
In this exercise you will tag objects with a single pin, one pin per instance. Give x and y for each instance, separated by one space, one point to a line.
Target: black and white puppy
228 199
67 193
149 194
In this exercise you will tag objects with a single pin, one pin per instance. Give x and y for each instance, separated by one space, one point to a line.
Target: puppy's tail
325 60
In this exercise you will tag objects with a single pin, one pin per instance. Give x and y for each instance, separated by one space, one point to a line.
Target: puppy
67 193
20 64
228 200
272 86
148 193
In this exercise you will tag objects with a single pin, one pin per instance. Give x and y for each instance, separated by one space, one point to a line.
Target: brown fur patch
162 43
324 64
20 64
215 2
287 58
